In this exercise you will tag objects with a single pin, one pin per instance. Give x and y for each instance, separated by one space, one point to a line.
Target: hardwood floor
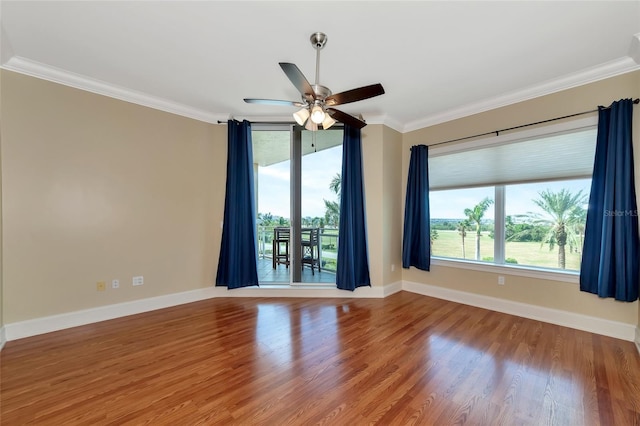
405 359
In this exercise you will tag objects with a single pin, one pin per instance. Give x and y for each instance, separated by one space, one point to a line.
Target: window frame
499 206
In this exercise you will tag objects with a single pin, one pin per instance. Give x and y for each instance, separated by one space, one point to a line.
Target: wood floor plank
406 359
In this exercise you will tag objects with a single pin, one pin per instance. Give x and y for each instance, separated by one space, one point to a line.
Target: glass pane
544 224
320 198
462 223
271 152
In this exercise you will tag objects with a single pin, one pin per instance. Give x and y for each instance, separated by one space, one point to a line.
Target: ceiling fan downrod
318 40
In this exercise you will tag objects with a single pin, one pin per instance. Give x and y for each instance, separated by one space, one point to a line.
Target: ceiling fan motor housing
321 91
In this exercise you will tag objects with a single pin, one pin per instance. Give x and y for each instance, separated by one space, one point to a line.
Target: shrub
507 260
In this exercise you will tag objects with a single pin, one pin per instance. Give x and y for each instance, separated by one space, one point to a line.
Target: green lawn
449 244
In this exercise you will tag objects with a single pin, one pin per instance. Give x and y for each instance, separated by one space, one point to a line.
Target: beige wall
372 159
382 160
391 231
550 294
97 189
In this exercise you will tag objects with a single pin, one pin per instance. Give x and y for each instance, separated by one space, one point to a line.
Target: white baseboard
315 291
33 327
637 341
3 338
392 288
52 323
601 326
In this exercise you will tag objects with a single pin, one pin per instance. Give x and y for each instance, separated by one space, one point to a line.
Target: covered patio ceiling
273 146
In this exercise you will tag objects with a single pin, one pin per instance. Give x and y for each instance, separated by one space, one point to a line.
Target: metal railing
328 250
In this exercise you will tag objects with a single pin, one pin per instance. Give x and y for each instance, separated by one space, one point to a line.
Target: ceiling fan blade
273 102
345 118
355 95
298 79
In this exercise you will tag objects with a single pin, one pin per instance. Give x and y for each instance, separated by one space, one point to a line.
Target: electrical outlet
101 286
115 284
138 280
500 280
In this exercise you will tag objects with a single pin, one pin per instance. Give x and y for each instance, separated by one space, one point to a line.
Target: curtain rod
260 122
288 123
497 132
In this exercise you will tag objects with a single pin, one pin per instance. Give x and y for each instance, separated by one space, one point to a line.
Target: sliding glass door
297 181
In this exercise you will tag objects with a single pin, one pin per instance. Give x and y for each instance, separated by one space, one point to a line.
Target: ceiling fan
317 101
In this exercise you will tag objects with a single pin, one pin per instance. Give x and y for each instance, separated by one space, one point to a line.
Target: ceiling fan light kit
311 126
317 114
316 99
328 122
301 116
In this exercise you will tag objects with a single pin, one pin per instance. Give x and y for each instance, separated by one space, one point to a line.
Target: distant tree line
562 224
331 217
452 225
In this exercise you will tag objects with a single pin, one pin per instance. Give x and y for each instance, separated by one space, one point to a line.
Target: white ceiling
436 60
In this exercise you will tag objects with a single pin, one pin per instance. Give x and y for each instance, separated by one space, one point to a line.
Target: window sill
521 271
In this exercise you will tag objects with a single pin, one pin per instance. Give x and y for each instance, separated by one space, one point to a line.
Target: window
297 181
544 223
453 234
515 200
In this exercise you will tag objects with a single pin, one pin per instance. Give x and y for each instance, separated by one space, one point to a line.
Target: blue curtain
237 266
610 257
353 262
416 239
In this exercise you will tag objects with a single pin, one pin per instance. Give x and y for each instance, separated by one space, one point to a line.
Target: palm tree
331 212
475 216
462 230
565 214
433 235
336 184
332 208
266 219
579 228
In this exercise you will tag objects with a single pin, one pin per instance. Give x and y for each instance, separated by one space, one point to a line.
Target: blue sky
317 171
451 204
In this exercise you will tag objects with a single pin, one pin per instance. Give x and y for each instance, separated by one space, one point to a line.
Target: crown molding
56 75
634 48
45 72
589 75
386 121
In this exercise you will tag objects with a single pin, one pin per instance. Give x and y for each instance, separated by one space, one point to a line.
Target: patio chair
311 249
280 250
